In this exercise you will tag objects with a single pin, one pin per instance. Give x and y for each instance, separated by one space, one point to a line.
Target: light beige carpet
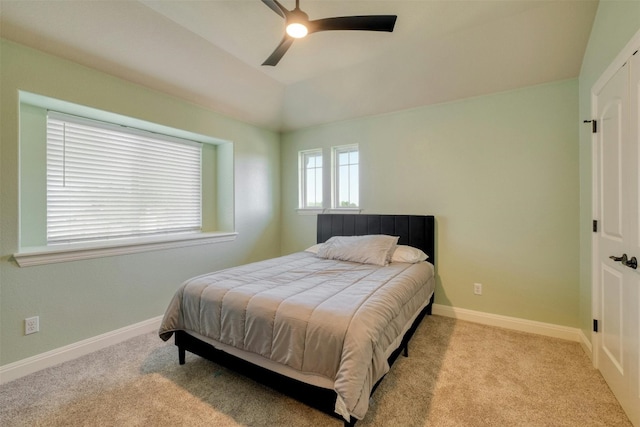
457 374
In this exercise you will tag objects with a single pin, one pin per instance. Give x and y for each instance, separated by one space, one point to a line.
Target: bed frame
414 230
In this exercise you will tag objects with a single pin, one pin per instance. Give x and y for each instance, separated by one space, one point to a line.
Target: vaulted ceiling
210 51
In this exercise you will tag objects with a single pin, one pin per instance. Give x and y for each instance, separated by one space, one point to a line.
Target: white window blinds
105 181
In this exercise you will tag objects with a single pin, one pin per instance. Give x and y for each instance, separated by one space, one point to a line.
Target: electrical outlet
31 325
477 288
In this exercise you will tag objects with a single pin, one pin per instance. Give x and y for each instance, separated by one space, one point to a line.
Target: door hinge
595 226
595 325
594 125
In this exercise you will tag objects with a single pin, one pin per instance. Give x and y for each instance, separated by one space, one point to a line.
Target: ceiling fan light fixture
297 30
298 25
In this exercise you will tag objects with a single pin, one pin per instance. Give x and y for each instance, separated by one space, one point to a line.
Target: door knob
632 263
622 259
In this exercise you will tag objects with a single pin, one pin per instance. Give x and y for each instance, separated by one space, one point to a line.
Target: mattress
326 322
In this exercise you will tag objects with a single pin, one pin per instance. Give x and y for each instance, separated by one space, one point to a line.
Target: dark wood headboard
414 230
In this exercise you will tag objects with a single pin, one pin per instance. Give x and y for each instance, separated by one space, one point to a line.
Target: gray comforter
334 319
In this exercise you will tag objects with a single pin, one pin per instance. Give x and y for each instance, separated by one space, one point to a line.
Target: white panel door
618 239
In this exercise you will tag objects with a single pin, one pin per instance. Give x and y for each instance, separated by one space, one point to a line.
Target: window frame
335 176
303 203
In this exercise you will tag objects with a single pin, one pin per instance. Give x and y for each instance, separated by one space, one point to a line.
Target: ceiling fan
298 25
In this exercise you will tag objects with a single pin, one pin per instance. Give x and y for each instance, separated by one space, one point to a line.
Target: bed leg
181 355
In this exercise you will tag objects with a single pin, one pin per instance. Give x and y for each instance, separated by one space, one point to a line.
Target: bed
323 325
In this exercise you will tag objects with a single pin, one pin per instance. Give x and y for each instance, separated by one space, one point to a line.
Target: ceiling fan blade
363 23
276 7
277 54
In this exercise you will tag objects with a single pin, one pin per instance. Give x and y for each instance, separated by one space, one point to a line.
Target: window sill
28 257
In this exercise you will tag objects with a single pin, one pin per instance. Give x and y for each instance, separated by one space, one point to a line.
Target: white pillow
314 249
372 249
408 254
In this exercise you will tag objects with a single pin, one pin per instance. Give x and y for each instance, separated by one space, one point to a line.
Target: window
106 181
343 175
346 181
202 216
310 175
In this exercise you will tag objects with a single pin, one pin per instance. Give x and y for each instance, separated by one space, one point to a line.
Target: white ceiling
209 51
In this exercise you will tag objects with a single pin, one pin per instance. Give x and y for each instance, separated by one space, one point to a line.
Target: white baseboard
33 364
586 344
513 323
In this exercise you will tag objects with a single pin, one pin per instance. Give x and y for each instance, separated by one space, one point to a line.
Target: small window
105 181
346 178
310 179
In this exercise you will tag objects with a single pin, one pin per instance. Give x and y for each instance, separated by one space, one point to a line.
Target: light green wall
81 299
615 24
499 172
33 178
